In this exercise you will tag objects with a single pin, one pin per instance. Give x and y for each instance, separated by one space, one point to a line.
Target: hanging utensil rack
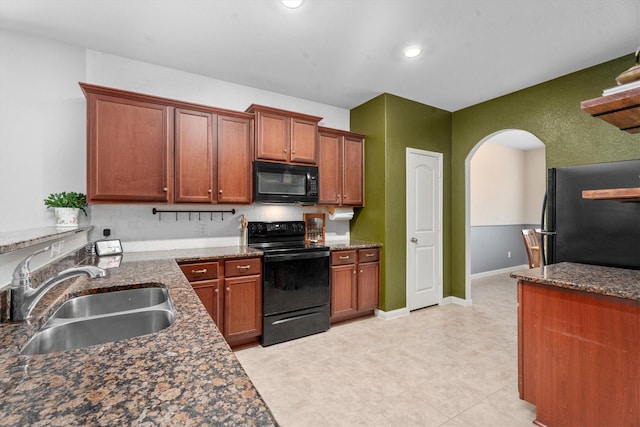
221 212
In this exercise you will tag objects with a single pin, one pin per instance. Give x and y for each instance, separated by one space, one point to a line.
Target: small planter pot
67 217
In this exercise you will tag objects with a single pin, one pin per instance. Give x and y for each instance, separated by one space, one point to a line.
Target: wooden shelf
620 109
620 194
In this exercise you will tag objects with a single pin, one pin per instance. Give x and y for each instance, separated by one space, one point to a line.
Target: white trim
387 315
499 271
458 301
439 156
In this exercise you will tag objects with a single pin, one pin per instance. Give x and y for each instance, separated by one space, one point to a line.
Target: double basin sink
104 317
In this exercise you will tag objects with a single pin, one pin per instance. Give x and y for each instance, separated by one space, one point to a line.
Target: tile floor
440 366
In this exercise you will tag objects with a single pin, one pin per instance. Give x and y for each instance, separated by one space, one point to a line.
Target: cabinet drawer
200 271
242 267
343 257
368 255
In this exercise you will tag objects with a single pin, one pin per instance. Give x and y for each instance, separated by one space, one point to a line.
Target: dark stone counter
345 245
609 281
183 375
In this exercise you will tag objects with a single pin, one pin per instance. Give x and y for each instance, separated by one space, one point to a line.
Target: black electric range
295 281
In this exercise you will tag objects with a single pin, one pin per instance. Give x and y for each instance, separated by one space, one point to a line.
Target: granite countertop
14 240
185 374
609 281
339 245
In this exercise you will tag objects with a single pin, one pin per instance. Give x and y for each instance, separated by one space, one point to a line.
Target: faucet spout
24 297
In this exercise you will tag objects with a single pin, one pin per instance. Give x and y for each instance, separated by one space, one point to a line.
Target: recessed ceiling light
292 4
412 51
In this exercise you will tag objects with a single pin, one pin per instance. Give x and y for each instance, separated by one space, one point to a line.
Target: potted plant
67 207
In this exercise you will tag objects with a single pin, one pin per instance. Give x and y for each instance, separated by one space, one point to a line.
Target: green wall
551 111
392 124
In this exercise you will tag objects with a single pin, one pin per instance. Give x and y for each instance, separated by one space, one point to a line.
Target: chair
532 247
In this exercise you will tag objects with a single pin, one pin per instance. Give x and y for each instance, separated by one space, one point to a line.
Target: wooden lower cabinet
209 293
355 283
231 292
578 356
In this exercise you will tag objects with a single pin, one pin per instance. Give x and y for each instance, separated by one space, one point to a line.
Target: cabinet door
129 147
368 285
343 291
329 171
304 141
272 137
235 152
353 172
194 161
209 293
242 307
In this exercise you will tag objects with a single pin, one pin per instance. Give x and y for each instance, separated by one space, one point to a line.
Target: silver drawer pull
344 257
204 270
369 255
243 267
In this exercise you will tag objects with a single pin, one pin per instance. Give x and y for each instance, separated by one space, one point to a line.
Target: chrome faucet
24 297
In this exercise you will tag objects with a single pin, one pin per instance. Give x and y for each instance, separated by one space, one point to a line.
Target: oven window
295 284
282 183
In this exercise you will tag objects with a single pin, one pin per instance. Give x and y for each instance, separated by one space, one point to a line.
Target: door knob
414 240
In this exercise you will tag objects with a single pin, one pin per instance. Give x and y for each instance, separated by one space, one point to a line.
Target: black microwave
284 183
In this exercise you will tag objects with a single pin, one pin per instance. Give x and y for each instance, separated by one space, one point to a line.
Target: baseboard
387 315
455 300
500 271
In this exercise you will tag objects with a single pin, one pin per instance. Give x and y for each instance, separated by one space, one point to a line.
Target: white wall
507 185
43 131
42 127
535 181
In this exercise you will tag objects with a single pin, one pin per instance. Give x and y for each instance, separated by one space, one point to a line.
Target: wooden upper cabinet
329 168
353 171
235 153
213 157
194 156
304 141
285 136
129 149
341 168
143 148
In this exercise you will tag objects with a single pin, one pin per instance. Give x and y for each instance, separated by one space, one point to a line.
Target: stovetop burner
280 236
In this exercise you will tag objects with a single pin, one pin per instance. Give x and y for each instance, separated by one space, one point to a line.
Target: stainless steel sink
110 302
102 318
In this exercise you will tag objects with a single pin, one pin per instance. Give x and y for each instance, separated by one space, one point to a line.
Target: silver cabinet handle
344 257
414 240
204 270
243 267
369 254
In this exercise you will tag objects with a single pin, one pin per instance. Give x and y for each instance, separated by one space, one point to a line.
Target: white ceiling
345 52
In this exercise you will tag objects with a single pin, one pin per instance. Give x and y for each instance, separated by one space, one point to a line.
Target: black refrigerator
601 232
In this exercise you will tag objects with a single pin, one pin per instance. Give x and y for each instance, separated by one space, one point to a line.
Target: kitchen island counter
185 374
578 344
596 279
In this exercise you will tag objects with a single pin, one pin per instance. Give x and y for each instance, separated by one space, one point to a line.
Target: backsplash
131 223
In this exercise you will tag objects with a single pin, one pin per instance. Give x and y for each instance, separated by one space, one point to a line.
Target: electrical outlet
202 229
56 248
509 254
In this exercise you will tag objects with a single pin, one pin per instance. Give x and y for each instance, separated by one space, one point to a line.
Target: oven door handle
295 256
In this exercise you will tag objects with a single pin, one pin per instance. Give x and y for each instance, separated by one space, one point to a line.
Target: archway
511 139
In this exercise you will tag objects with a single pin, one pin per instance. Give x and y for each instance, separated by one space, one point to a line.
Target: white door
424 228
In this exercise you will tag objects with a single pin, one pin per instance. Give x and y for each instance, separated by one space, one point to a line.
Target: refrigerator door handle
544 232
